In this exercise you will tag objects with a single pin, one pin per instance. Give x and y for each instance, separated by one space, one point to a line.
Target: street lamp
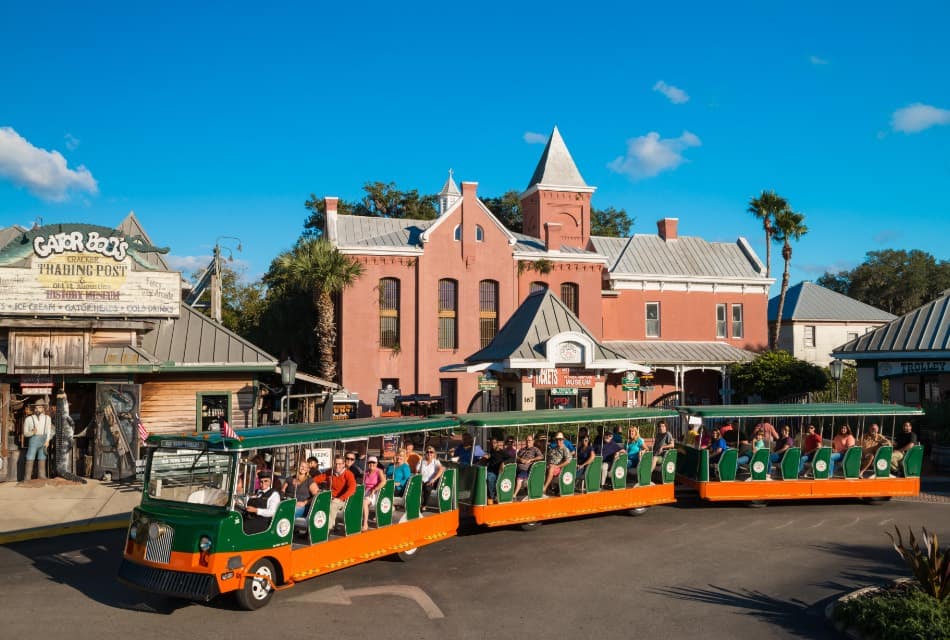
837 368
288 373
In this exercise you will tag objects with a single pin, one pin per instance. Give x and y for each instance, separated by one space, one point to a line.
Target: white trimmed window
737 329
653 319
720 321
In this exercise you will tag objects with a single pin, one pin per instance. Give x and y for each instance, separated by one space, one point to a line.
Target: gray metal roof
367 231
193 339
924 330
687 256
541 316
809 301
556 166
124 357
662 352
530 244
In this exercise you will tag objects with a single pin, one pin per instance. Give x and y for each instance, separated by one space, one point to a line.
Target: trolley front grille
193 586
160 549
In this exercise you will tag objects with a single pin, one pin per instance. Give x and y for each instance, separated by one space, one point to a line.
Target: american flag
226 430
143 432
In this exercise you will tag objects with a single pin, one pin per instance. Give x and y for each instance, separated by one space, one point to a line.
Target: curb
852 632
119 521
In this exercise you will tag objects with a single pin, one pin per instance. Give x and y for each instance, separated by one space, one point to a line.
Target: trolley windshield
195 476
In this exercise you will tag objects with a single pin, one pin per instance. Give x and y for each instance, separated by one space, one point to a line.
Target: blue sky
216 120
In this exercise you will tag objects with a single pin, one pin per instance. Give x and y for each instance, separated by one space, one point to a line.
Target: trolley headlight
204 543
134 531
156 531
139 529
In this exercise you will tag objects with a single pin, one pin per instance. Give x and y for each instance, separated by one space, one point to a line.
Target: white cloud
72 142
535 138
650 155
916 117
815 60
675 94
887 236
43 173
832 267
187 264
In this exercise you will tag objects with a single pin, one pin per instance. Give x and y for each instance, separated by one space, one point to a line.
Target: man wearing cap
262 507
39 429
558 457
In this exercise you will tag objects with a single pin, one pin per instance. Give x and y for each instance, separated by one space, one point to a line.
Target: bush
929 565
902 612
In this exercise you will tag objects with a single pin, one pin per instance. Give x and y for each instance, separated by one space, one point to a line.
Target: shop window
720 321
653 319
214 407
809 335
487 311
389 313
570 295
737 331
448 314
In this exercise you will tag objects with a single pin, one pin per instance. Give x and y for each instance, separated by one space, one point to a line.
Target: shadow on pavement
88 563
879 565
794 616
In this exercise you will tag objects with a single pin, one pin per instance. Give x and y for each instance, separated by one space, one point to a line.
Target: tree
896 281
610 222
774 375
765 208
380 200
315 266
507 208
788 226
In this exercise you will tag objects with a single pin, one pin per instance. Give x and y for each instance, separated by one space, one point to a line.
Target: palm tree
316 266
788 226
765 208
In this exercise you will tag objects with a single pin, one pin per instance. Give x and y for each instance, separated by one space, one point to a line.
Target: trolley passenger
842 441
662 442
373 482
872 441
635 447
903 442
717 444
585 455
431 470
302 488
558 458
810 447
498 456
261 508
527 455
608 450
342 486
399 472
783 444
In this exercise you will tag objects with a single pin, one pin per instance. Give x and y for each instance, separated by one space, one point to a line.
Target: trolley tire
757 504
530 526
638 511
876 500
256 593
408 554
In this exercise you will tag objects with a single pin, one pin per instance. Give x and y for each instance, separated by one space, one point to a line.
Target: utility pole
216 284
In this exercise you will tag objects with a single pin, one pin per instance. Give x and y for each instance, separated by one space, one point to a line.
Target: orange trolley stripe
499 515
805 489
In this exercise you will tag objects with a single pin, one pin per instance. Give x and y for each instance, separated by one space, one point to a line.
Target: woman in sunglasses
431 470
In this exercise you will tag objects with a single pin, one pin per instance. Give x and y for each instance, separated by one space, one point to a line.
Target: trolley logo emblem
385 505
758 467
671 467
446 492
619 473
881 464
568 478
506 485
319 519
821 466
283 527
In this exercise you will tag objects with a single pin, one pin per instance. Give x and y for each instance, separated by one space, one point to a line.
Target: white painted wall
828 336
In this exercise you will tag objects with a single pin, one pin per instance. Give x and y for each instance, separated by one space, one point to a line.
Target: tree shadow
794 616
89 564
880 564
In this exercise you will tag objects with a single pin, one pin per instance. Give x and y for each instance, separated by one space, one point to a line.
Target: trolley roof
795 410
291 434
563 416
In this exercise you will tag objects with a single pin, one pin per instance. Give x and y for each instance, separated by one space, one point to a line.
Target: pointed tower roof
556 167
450 188
131 226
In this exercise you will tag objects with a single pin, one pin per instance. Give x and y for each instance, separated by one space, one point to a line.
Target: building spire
449 195
556 167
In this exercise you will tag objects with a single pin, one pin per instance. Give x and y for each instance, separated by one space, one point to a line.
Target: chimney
552 236
667 228
330 223
469 190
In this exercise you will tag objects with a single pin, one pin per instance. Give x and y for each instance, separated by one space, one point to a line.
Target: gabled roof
367 231
645 255
655 352
131 226
556 167
196 341
524 337
923 331
809 301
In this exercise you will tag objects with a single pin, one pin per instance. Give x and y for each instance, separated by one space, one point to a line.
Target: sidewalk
56 507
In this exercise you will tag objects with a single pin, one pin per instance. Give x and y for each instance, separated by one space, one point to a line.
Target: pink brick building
441 302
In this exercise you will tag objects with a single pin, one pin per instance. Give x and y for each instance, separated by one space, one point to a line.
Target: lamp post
836 367
288 373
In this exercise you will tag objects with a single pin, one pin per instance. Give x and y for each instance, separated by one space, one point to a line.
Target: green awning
562 416
796 410
288 435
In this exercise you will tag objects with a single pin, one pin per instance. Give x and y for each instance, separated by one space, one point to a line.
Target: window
389 313
448 320
720 321
537 286
457 234
737 321
487 310
570 292
809 335
214 407
479 233
653 319
448 389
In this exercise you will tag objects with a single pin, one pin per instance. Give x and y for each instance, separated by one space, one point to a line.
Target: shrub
903 612
929 565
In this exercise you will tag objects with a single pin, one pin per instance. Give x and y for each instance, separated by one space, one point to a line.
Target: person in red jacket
342 486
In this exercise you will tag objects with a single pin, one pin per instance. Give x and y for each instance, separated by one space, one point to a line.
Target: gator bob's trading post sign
82 270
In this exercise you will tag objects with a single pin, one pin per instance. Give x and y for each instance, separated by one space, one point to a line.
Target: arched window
479 233
570 295
457 234
537 286
487 310
389 313
448 314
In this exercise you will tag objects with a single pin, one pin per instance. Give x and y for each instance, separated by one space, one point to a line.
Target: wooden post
7 441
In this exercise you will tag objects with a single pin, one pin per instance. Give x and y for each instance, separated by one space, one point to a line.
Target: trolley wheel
757 504
257 592
530 526
877 500
408 554
638 511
